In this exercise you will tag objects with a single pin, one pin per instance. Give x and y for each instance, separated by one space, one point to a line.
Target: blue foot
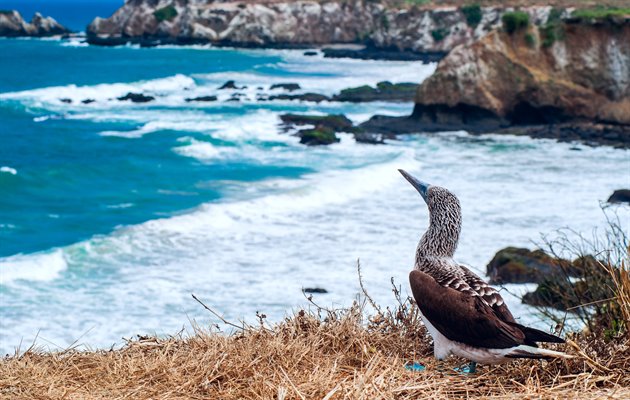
467 369
414 366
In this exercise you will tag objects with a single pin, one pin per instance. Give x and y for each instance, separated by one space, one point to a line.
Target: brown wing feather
489 294
461 316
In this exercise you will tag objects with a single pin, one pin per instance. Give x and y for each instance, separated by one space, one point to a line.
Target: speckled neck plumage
445 222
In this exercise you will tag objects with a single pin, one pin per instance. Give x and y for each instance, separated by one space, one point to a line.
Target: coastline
170 97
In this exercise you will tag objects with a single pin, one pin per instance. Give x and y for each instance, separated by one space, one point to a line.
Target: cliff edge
302 23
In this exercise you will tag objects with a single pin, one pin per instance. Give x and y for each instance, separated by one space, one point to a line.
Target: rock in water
319 136
286 86
13 25
136 98
202 98
312 97
384 91
315 290
336 122
517 265
620 196
231 85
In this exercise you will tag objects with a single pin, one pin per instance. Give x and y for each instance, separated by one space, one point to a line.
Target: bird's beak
420 186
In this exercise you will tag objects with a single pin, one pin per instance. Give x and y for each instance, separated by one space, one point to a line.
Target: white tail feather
524 351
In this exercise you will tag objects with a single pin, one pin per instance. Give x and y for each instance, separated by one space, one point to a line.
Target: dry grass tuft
312 355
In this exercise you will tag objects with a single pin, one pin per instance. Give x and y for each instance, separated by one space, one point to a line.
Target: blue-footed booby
463 314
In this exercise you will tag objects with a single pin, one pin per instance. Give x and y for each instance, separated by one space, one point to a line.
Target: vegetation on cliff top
600 13
473 14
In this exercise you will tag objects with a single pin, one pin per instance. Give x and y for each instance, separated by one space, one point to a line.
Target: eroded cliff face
515 79
13 25
296 23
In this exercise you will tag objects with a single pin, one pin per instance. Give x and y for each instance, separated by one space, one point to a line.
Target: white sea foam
200 150
121 205
275 237
8 170
103 92
41 267
74 43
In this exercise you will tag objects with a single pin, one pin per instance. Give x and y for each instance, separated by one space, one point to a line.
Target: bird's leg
471 368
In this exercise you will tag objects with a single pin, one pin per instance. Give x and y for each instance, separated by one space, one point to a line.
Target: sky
74 14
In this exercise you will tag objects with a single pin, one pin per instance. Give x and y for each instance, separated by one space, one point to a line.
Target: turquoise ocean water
112 213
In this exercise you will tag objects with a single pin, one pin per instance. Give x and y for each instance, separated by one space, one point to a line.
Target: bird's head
444 208
434 196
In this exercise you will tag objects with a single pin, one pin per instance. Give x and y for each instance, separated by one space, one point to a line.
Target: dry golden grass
334 355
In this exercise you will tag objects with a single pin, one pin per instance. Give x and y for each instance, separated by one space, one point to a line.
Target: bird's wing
462 316
489 294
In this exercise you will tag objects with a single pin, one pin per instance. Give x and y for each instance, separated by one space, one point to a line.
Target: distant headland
13 25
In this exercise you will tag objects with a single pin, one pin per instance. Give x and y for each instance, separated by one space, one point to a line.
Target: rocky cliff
299 23
569 80
13 25
523 78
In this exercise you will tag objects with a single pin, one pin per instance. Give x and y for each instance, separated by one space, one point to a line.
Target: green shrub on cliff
473 14
514 21
550 33
553 29
530 40
165 13
555 15
439 34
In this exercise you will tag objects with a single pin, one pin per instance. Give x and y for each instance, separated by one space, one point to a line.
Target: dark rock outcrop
384 91
290 87
551 293
201 98
312 97
136 98
315 290
325 127
517 265
230 85
320 135
369 138
590 285
13 25
338 123
620 196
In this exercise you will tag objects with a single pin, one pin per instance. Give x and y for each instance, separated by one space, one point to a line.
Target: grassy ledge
318 354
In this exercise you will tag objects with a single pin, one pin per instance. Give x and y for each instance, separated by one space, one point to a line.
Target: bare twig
225 321
365 293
